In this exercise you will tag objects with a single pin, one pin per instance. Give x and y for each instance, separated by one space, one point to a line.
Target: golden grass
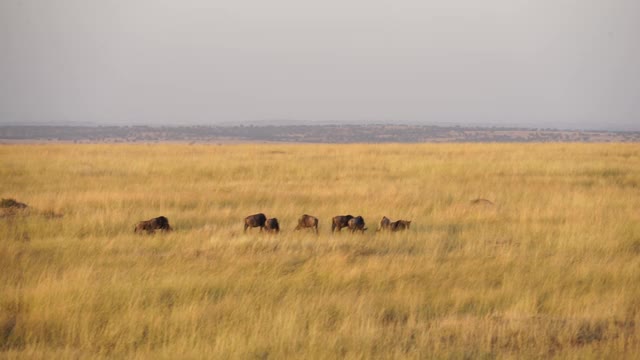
553 269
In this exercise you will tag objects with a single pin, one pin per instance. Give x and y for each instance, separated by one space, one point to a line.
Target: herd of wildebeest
260 220
272 225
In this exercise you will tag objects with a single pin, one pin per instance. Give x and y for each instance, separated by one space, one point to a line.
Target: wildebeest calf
272 225
150 226
385 224
307 221
356 224
340 221
400 225
256 220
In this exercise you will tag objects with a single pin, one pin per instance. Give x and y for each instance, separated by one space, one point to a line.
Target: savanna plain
550 269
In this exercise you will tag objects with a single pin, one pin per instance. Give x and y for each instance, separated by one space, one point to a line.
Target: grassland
551 270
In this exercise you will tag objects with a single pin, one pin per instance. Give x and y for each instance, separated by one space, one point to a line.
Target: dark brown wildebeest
272 225
400 225
12 204
340 221
150 226
307 221
481 201
256 220
356 224
385 224
10 207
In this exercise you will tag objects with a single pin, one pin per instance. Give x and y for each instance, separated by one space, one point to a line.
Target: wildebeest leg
245 227
316 229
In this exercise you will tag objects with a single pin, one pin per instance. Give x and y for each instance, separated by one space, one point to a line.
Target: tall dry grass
552 269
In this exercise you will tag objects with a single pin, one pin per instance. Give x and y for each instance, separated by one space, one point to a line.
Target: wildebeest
340 221
256 220
385 224
356 224
151 225
10 207
307 221
12 204
400 225
272 225
481 201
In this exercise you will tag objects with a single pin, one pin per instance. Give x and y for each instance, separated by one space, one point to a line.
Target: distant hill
327 133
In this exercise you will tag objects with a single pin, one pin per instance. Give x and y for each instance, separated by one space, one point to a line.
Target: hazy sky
555 63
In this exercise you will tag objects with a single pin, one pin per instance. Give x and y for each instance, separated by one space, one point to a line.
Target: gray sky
547 63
